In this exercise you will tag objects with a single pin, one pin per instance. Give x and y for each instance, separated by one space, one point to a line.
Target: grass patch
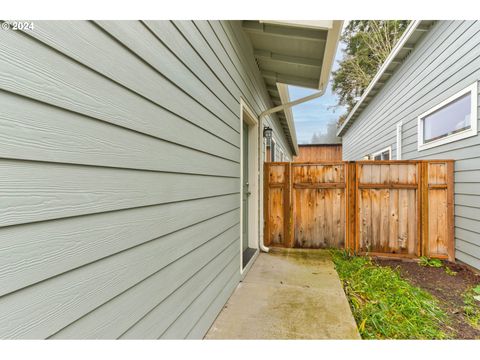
471 308
384 305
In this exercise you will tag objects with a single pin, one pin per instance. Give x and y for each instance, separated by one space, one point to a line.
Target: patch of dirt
446 288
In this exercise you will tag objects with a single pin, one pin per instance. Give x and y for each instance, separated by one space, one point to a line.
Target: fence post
288 211
451 209
424 207
350 207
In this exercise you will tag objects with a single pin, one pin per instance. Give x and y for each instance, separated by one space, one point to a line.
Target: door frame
253 178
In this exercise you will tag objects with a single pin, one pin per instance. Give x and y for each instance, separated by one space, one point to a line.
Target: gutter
398 47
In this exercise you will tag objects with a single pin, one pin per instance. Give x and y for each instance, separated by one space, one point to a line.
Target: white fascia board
333 39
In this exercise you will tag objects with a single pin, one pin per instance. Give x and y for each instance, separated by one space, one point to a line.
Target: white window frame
388 148
472 131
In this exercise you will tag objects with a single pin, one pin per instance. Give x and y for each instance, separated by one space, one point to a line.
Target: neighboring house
423 104
319 152
131 168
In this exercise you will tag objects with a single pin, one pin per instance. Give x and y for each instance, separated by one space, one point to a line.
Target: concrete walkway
288 294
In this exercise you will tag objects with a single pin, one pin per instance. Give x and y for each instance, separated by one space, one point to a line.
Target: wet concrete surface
288 294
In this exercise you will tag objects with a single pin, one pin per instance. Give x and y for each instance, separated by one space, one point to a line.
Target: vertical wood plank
412 223
403 216
288 204
266 206
393 226
375 220
384 231
424 209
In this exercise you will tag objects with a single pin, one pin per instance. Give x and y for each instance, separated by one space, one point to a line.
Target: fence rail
388 208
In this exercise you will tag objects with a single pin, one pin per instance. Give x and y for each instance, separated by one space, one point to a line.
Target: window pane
448 120
386 155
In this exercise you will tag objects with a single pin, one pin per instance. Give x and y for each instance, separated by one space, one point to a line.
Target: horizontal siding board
92 47
467 164
467 224
174 40
230 63
467 189
225 282
456 152
468 259
217 304
160 58
51 309
468 212
162 300
470 240
467 200
168 310
38 251
30 130
40 191
471 176
67 84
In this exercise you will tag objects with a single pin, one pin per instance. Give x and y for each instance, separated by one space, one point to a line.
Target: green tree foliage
368 44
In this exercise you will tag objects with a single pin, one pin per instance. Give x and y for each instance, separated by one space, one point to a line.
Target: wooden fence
387 208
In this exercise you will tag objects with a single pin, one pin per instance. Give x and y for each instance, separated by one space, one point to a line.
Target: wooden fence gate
387 208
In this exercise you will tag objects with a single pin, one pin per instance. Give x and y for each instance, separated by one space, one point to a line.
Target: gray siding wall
119 175
445 61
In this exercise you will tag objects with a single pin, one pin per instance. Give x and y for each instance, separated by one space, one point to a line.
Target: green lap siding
120 176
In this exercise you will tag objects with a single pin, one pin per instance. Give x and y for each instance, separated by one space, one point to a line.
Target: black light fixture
267 134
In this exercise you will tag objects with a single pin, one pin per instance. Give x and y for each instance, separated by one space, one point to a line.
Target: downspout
277 109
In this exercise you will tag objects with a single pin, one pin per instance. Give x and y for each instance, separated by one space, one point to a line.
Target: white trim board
399 140
254 144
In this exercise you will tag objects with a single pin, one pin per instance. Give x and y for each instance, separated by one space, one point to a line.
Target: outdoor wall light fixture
267 134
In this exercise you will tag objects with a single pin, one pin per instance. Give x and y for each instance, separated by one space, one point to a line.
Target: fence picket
398 208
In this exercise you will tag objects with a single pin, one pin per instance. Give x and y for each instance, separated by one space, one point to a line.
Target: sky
314 116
